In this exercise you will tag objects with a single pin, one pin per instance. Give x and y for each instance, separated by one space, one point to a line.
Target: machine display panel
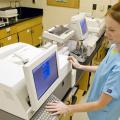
83 26
45 74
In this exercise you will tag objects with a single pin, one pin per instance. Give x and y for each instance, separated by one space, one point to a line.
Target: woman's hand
74 62
57 107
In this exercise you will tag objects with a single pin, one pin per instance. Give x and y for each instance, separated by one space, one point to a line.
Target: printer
13 91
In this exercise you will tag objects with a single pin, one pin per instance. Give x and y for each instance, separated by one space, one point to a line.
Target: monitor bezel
76 26
35 103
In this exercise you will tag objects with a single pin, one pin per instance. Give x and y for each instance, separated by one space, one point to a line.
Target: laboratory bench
28 28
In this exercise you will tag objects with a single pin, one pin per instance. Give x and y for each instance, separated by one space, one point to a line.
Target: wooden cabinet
8 36
65 117
94 60
79 95
84 81
101 53
29 31
10 39
25 36
31 35
29 23
7 31
36 34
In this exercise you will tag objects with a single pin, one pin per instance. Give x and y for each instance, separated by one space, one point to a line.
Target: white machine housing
13 90
96 25
8 12
28 67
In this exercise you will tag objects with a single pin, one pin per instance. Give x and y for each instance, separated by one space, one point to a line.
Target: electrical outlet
109 6
33 1
94 7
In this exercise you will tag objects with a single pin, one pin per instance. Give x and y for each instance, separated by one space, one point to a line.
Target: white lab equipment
20 65
39 88
6 12
88 31
79 25
96 25
59 34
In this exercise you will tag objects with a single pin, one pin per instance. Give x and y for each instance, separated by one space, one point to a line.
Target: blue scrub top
107 80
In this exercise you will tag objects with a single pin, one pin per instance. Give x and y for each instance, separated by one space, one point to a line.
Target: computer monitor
79 25
42 77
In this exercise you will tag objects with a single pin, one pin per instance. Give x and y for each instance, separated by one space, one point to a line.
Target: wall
4 3
9 3
52 15
61 15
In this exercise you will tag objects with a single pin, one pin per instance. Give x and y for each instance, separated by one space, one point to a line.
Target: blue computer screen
45 75
83 26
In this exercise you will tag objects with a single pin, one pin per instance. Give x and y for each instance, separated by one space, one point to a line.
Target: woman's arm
88 68
77 65
103 101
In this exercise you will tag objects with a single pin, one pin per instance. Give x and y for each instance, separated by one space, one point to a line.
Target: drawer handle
40 38
8 30
28 30
9 38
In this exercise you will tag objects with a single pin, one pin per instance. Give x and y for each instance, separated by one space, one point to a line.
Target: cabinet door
65 117
1 43
79 94
25 36
7 31
10 40
94 60
83 81
36 34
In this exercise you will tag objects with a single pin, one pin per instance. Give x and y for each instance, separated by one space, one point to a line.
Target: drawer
29 23
8 31
10 39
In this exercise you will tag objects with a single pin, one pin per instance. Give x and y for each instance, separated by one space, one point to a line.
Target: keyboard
42 114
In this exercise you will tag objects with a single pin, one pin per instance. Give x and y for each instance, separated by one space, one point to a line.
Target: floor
83 115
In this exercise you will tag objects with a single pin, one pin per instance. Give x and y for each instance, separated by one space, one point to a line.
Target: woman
104 99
